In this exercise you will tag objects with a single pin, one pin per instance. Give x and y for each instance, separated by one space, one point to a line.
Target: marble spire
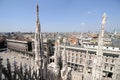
65 72
38 44
64 56
97 71
57 50
101 35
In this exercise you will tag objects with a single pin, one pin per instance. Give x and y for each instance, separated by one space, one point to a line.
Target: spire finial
37 8
104 14
104 20
37 12
104 17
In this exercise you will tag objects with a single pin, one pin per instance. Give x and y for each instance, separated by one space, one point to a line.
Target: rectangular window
68 59
80 55
112 61
72 60
89 56
81 60
106 60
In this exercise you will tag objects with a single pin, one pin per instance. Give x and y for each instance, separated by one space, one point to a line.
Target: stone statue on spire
104 19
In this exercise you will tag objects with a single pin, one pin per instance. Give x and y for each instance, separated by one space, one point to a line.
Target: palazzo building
86 62
19 46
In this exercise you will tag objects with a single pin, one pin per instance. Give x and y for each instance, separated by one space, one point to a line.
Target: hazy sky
59 15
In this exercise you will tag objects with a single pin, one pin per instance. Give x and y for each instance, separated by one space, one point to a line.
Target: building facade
87 62
19 46
82 62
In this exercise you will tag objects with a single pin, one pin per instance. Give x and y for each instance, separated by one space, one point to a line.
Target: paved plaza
16 57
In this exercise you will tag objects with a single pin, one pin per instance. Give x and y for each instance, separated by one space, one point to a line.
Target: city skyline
59 56
59 16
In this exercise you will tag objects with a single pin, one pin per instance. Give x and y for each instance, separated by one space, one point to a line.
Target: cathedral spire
97 71
101 35
38 45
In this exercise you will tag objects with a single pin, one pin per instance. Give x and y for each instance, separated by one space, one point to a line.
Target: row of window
109 60
80 61
81 55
